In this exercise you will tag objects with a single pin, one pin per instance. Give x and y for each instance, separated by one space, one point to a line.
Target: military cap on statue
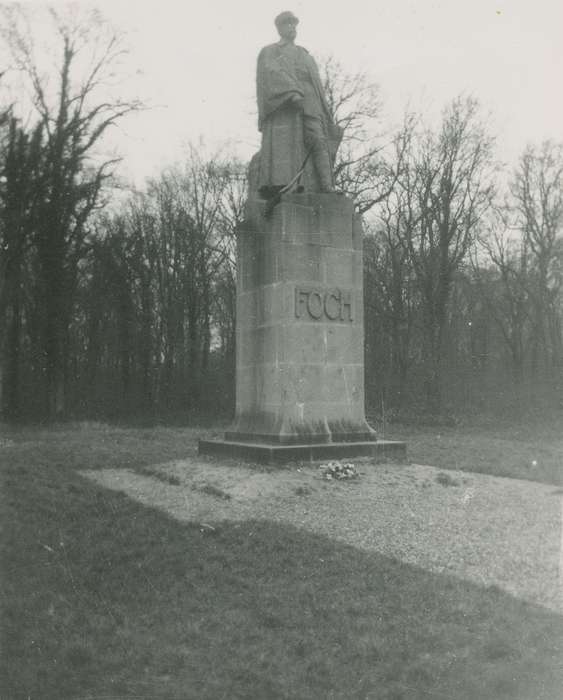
285 16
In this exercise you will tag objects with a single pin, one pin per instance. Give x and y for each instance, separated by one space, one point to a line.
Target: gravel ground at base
490 530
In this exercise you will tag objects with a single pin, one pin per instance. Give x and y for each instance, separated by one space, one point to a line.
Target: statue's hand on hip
297 101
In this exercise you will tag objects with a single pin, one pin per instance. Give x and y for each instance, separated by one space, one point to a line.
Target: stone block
334 388
359 303
246 308
340 267
266 263
357 232
344 343
270 304
305 343
300 325
248 270
298 223
298 262
335 224
246 347
269 383
382 450
266 340
245 388
307 383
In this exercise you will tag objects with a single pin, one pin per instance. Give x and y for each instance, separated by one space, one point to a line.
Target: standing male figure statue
299 325
297 128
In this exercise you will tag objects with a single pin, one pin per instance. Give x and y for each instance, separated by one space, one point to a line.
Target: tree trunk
11 390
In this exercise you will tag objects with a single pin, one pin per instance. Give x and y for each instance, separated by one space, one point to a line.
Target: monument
299 315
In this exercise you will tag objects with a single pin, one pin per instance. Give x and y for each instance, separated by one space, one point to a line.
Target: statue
299 137
299 325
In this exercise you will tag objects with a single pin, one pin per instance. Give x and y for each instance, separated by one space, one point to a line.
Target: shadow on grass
104 597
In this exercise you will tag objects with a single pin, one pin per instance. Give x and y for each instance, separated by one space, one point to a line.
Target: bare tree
73 119
232 214
505 287
443 187
186 221
537 191
21 161
355 104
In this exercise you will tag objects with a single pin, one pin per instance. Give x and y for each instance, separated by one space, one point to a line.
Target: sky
193 64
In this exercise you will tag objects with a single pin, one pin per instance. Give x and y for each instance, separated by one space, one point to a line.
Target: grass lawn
106 598
526 449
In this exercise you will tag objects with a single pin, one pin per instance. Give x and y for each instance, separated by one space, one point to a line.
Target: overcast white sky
195 62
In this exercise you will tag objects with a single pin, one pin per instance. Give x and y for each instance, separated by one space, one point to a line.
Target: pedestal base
270 453
300 337
299 325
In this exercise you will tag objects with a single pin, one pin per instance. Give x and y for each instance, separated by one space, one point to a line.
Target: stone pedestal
300 339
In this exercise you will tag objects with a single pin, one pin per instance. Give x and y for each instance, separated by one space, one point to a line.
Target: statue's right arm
274 80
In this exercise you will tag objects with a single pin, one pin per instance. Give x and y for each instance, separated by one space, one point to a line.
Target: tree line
121 307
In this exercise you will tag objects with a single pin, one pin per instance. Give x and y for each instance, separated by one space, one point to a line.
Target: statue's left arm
275 84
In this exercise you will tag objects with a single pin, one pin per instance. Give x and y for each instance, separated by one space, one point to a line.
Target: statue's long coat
281 123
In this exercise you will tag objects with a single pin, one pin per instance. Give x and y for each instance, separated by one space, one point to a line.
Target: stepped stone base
270 453
300 336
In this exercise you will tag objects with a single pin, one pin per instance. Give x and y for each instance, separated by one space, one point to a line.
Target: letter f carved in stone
301 300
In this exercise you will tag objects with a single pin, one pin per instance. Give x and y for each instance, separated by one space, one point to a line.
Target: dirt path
490 530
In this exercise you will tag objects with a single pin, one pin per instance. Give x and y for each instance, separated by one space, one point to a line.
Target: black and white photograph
281 350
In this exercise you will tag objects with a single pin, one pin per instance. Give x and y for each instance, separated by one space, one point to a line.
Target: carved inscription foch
323 304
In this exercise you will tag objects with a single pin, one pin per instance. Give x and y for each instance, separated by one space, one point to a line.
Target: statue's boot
323 166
